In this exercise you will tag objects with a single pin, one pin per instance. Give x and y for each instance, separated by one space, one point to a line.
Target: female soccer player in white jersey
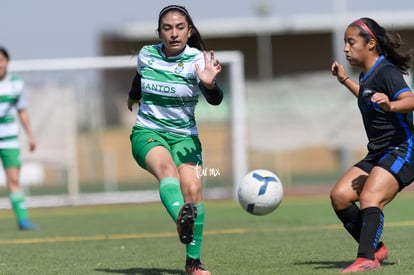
12 101
169 79
386 104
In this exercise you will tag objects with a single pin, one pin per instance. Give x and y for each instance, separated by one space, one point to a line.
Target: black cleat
185 222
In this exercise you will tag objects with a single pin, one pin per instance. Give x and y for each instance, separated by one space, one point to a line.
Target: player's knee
334 194
169 167
192 192
13 184
163 170
369 200
339 198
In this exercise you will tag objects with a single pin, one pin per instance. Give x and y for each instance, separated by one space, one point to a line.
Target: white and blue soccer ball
260 192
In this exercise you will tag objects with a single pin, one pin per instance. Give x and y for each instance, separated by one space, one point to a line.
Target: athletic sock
193 249
18 205
371 231
171 196
351 219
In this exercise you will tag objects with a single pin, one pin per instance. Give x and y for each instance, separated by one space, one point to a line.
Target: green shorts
10 157
183 149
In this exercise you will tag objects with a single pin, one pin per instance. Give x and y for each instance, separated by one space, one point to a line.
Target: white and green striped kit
11 100
169 89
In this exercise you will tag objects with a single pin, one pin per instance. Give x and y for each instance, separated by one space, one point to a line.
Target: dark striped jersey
384 129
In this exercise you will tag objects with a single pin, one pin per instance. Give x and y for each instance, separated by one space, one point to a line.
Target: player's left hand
32 144
338 70
211 69
382 100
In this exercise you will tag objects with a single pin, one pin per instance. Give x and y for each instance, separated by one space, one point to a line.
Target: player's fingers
212 56
32 146
205 57
218 66
334 68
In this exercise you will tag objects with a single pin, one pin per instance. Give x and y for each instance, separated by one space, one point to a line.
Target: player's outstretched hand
211 69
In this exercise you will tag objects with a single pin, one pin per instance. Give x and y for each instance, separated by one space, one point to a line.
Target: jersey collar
364 77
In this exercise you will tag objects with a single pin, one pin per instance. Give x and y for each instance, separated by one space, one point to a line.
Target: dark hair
4 52
195 39
387 43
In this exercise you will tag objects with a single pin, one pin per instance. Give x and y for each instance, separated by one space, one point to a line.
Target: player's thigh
187 155
393 172
160 163
348 188
380 188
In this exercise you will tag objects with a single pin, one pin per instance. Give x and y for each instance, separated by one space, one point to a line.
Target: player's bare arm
338 70
403 104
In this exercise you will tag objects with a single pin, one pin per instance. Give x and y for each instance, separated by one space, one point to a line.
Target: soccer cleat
185 222
27 225
362 265
195 267
381 253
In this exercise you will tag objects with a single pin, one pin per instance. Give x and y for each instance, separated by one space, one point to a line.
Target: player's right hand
338 70
335 68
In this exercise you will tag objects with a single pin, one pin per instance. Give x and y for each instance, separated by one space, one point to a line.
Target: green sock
18 205
193 249
171 196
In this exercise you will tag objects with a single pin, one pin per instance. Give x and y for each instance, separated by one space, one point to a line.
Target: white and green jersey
170 89
11 99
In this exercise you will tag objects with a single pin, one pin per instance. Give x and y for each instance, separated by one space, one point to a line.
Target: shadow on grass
334 264
143 271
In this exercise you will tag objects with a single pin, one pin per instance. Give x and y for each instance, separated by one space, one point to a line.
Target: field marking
113 237
173 234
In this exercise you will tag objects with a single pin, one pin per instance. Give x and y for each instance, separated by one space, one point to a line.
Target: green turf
302 236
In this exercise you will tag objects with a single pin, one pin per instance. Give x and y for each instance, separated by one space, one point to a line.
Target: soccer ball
260 192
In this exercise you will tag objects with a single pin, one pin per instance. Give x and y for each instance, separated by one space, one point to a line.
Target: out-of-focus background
283 111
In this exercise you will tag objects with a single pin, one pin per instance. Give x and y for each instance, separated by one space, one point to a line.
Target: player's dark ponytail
4 52
388 44
195 39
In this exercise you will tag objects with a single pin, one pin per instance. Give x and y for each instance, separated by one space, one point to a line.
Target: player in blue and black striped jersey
386 104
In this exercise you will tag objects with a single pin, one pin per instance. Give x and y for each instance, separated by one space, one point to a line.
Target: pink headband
364 26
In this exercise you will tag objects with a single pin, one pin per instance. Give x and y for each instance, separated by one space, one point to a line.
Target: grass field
302 236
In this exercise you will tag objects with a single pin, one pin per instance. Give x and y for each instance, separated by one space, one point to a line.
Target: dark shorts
395 162
183 149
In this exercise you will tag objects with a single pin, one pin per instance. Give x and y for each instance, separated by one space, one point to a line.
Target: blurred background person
12 105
